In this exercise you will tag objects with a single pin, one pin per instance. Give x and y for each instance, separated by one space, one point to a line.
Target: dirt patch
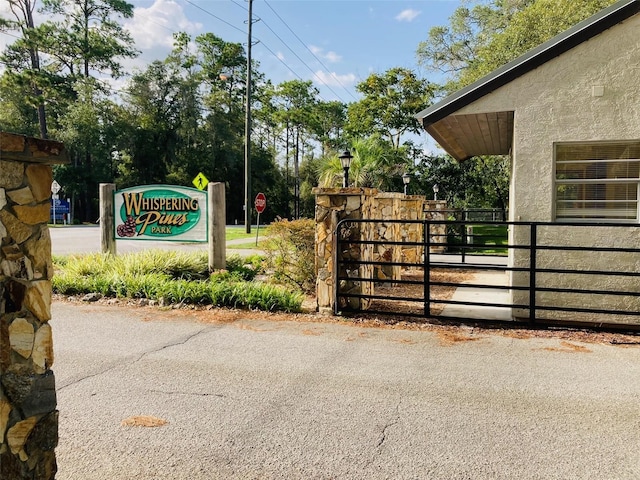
568 347
414 292
143 421
449 332
452 337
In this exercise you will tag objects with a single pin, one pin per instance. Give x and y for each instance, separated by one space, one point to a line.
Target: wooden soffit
464 136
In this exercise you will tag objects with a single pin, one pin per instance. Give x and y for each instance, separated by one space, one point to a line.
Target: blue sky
334 43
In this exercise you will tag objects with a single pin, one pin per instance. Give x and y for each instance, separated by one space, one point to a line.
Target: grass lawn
489 236
238 231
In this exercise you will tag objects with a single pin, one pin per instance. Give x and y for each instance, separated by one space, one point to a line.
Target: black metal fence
578 274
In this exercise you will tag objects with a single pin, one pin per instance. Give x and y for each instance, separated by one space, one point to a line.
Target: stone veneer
336 204
333 205
28 415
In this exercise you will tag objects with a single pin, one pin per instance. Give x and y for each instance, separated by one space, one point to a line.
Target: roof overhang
464 136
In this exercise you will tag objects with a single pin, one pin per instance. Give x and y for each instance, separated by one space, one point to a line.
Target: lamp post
406 178
345 160
436 189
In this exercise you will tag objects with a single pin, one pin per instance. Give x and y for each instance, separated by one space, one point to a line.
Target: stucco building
568 114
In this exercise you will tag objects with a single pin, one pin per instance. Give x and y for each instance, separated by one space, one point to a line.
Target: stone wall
28 415
336 204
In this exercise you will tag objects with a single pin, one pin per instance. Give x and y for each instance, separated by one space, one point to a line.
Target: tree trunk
35 65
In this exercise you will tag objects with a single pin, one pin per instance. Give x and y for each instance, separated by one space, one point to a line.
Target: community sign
160 212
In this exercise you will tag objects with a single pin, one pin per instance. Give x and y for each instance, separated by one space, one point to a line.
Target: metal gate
533 273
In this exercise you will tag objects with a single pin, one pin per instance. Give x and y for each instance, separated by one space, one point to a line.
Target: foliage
375 164
390 101
484 37
185 114
291 252
172 277
481 182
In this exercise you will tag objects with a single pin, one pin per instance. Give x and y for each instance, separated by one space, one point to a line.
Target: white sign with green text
160 212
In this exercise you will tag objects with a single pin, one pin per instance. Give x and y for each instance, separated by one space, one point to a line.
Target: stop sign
260 202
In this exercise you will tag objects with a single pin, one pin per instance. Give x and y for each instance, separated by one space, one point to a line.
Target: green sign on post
160 212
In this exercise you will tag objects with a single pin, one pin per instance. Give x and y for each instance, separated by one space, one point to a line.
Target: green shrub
291 252
247 268
174 277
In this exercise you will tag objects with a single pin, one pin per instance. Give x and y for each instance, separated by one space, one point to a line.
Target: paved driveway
258 399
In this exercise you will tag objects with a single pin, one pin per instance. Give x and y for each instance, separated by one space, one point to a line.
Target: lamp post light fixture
436 189
406 178
345 160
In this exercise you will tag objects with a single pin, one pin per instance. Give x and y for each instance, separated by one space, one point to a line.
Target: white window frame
600 181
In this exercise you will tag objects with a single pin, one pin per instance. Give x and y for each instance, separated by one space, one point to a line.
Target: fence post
107 219
426 240
533 234
217 220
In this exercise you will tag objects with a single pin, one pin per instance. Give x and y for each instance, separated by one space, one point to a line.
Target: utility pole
247 130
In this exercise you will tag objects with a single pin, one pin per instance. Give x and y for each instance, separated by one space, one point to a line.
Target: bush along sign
160 212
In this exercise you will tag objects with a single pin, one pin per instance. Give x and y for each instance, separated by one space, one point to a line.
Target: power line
298 57
214 16
270 50
310 51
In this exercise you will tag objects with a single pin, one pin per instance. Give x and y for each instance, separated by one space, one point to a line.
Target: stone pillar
28 415
333 205
386 206
411 208
435 210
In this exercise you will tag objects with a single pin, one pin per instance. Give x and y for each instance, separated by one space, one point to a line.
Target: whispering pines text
158 211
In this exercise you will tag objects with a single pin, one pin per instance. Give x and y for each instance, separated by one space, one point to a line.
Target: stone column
28 415
435 210
412 208
333 205
386 206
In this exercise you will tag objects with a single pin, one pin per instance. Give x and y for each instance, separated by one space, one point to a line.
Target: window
597 181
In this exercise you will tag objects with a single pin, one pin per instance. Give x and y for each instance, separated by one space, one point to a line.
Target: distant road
86 239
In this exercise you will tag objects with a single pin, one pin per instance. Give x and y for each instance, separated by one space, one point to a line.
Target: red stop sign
260 202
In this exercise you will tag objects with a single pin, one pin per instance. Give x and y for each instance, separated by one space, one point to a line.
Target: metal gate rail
357 276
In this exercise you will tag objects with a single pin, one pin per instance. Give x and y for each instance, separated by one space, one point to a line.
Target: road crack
388 425
131 360
190 394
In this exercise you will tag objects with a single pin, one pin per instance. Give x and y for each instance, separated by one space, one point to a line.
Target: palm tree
375 164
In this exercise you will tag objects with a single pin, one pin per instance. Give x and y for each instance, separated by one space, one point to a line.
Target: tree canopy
185 114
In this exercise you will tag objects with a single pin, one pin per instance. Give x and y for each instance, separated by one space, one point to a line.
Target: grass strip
173 277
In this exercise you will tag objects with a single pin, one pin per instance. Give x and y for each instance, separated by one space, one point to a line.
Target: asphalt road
79 239
257 399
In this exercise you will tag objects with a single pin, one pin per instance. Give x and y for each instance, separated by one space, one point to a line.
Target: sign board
260 202
160 212
200 181
55 187
59 208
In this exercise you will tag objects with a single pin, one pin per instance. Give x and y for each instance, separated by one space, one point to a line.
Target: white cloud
332 79
407 15
332 57
154 26
280 56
